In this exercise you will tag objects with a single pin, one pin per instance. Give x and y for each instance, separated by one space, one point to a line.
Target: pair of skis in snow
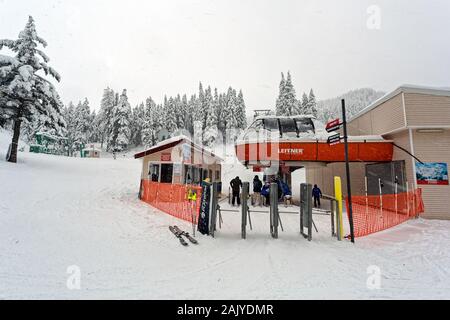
180 234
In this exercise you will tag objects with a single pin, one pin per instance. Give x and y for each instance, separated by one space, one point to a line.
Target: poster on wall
187 153
203 221
432 173
177 168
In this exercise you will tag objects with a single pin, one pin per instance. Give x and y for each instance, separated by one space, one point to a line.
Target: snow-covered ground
58 212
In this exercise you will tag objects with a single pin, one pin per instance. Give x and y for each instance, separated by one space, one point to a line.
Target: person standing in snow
236 185
317 194
287 194
265 192
257 187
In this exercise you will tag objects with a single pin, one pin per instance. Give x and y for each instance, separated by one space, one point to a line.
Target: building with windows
417 121
179 161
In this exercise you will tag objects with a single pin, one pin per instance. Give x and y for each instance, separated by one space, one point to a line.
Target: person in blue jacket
287 194
265 192
317 194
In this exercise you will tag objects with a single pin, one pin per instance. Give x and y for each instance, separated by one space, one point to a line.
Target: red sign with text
166 157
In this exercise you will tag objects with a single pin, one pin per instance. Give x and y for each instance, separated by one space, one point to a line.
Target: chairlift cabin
279 145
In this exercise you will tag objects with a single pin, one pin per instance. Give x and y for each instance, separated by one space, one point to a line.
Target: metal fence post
274 219
244 209
213 214
306 209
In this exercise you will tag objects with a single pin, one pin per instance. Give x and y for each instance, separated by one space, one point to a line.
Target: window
217 175
271 124
154 172
166 173
252 132
188 175
259 125
305 125
288 127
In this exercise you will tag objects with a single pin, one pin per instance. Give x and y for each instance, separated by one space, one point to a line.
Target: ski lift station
397 144
398 151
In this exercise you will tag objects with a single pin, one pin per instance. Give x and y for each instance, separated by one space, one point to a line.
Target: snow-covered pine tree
94 134
191 111
71 127
210 131
150 125
290 99
121 123
209 123
170 121
83 122
25 93
119 136
305 104
241 116
104 118
312 104
180 113
137 124
187 117
280 105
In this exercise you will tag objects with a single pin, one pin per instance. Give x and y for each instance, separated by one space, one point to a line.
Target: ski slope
58 212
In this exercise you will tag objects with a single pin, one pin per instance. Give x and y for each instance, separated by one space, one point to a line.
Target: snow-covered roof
406 88
50 136
168 143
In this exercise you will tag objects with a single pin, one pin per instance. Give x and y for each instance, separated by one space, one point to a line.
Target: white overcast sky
154 48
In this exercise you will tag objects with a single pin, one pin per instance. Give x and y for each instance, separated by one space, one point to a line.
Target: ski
186 234
178 235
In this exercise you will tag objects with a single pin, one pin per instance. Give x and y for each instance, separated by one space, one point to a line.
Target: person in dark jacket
257 187
236 185
317 193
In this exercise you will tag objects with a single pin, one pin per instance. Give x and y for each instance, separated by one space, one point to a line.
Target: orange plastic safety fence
376 213
172 199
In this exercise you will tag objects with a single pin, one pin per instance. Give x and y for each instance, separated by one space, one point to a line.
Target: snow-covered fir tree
304 104
71 128
25 92
280 104
312 104
119 138
152 122
104 118
287 104
83 123
241 117
137 124
355 100
171 116
94 132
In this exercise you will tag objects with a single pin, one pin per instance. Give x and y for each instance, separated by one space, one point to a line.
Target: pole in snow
347 167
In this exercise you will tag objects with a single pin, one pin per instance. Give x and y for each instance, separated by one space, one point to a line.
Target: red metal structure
298 139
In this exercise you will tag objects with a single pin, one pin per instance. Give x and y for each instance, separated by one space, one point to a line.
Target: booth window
166 173
154 172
